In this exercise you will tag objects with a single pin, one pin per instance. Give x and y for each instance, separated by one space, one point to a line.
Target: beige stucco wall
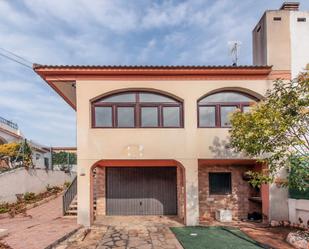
259 42
272 44
282 44
278 40
299 42
185 145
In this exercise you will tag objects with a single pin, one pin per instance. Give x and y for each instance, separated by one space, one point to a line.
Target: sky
105 32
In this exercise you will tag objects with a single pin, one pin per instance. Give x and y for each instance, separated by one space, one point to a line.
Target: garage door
141 191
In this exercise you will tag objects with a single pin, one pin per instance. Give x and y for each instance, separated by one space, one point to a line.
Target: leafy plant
64 159
29 196
67 184
9 149
276 132
4 207
53 189
17 152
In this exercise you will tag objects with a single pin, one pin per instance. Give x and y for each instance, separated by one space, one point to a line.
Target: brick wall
237 201
180 193
100 190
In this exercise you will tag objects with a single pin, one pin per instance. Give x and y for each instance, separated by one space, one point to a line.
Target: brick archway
98 179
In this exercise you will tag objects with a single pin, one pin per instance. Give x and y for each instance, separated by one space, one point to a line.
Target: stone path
43 225
129 232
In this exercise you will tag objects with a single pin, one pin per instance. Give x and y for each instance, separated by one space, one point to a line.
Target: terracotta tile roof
39 66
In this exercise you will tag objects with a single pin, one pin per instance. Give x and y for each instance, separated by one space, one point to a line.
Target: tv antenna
234 47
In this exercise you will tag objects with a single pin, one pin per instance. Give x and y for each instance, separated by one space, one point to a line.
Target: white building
9 132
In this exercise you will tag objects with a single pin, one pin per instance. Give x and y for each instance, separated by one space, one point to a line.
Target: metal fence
9 123
69 195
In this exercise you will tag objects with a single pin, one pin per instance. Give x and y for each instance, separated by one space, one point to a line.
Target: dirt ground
4 246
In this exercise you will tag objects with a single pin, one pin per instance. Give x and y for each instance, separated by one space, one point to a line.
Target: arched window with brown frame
214 110
137 109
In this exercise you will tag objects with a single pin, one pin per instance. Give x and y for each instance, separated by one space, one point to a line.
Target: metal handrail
9 123
69 195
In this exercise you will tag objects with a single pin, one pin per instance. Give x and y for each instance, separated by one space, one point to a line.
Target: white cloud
110 32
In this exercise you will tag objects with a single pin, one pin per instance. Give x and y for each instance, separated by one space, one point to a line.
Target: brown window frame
218 105
137 105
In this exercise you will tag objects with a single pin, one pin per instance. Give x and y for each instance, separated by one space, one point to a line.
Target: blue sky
192 32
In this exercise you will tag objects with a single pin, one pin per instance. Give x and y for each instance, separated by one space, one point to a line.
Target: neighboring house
153 139
41 155
9 132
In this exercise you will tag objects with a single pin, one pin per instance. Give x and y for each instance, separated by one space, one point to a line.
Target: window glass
246 108
207 116
226 97
137 109
149 116
154 98
103 116
171 117
125 117
120 98
225 112
220 183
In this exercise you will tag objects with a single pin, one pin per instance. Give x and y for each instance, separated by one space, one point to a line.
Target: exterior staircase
72 210
69 200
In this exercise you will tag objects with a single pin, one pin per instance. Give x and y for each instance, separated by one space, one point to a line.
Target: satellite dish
234 47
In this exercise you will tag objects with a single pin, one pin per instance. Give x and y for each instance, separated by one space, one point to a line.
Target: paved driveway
42 227
134 232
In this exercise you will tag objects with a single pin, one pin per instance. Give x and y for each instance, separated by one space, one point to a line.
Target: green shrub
4 207
67 184
53 189
29 196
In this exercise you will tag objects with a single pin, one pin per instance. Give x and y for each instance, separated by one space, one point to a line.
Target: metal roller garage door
141 191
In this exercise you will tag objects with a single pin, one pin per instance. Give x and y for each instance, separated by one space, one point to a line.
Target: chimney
290 6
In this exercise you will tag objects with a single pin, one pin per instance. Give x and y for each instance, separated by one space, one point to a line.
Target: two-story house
153 140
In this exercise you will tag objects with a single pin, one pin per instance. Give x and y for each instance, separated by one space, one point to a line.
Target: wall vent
301 19
277 18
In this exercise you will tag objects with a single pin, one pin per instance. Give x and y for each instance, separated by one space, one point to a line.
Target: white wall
278 199
299 41
20 181
38 159
298 209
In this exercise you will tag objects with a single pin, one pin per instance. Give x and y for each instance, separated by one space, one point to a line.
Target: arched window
137 109
214 110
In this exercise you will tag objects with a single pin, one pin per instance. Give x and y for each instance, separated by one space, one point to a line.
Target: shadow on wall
222 149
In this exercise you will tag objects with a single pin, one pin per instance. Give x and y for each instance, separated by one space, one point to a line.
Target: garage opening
138 187
141 191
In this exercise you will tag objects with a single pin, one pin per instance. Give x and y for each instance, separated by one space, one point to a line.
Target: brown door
141 191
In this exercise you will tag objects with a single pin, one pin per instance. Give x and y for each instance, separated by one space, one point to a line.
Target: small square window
246 109
207 116
103 116
125 117
225 113
149 117
171 116
220 183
